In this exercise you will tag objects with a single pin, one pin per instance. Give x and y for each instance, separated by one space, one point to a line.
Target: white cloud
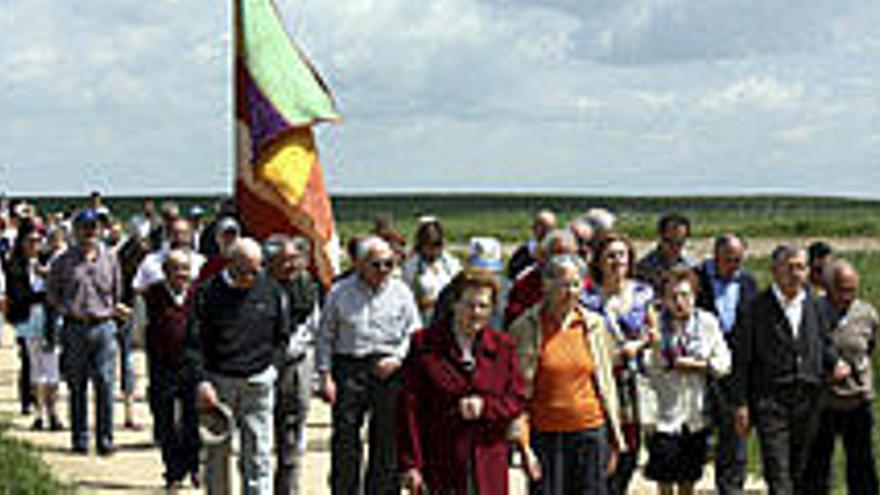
764 92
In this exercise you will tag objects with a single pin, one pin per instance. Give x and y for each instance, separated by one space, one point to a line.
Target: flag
279 182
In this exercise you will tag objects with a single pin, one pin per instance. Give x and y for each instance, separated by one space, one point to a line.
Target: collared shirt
359 321
726 292
150 270
652 267
793 308
84 289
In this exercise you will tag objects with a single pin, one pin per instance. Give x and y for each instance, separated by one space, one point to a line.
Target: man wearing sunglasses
674 230
362 339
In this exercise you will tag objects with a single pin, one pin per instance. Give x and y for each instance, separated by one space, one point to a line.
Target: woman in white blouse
430 267
690 348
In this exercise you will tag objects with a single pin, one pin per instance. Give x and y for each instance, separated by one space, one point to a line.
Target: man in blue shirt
725 288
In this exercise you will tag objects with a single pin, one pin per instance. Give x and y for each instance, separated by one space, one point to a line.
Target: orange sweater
564 395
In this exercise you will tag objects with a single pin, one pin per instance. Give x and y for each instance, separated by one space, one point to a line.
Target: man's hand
471 407
412 481
121 311
632 348
613 459
741 421
842 371
206 396
328 388
386 366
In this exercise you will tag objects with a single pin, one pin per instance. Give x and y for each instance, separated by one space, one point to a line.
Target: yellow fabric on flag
288 166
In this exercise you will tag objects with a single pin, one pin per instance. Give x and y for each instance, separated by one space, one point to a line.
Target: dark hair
671 219
428 234
680 273
473 277
605 240
25 228
818 249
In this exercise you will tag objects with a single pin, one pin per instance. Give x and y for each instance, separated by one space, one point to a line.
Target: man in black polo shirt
236 337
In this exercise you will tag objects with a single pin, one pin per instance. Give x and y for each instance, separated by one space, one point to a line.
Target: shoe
55 424
195 480
131 425
106 450
37 425
80 449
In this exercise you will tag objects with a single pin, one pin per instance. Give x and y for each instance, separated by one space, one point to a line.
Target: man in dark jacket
725 290
782 358
237 333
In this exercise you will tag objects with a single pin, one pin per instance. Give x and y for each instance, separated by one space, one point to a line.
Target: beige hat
216 424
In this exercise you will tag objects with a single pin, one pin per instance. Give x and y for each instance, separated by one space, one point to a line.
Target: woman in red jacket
462 388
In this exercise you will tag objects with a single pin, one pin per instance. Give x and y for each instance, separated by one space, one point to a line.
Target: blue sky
594 96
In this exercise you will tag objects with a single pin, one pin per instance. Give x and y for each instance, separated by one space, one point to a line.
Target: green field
508 216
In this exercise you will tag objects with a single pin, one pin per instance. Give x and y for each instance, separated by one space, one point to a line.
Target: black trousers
786 424
359 393
856 427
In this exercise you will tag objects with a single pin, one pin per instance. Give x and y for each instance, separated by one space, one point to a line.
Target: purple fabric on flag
264 121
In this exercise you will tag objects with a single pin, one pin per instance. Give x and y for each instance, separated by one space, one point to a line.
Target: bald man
237 334
846 410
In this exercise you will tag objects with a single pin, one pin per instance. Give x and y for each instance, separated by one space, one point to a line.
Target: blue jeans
252 400
177 434
90 353
572 463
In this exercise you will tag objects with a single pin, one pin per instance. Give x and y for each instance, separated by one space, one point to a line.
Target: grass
508 216
22 471
868 265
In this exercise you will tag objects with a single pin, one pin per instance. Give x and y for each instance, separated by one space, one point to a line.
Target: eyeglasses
674 241
382 264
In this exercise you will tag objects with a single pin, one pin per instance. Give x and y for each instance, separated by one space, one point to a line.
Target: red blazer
431 435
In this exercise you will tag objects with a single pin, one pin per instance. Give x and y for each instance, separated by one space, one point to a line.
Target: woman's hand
412 481
471 407
613 459
530 463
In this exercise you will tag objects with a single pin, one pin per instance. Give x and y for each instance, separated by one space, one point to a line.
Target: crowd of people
567 363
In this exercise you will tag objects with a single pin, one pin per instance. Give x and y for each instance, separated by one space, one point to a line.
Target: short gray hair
556 264
275 244
557 236
367 244
176 255
784 252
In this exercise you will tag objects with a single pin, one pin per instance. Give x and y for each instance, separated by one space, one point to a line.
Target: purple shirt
84 289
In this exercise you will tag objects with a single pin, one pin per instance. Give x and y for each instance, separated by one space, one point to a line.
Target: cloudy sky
593 96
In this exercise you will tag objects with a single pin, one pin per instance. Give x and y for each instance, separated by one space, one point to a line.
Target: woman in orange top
571 433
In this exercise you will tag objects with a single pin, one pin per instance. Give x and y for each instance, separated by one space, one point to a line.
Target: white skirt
44 364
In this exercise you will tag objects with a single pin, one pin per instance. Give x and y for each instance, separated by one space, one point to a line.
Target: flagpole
235 31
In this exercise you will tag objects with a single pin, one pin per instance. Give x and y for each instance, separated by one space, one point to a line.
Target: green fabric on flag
279 69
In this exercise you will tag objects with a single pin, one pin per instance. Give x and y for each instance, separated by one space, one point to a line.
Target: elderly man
85 288
363 337
847 405
236 336
179 236
674 230
524 256
528 288
166 316
725 289
288 264
782 357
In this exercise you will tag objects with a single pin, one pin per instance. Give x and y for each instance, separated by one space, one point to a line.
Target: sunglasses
674 241
383 264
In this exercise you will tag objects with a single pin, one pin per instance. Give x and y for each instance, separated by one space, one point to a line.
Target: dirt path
136 467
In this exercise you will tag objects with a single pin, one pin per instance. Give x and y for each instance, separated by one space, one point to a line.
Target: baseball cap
86 216
228 223
485 252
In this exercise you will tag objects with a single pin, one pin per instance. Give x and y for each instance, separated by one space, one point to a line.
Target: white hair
368 244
